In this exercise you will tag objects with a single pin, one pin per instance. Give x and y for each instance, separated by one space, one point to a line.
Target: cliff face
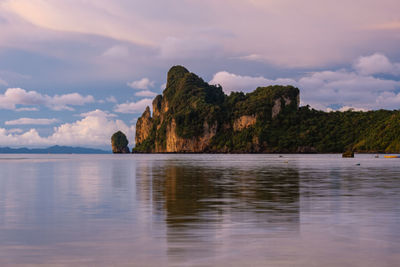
244 122
143 126
193 116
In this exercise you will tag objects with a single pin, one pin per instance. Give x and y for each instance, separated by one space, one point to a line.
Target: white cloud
17 96
389 99
376 64
142 84
16 139
111 99
146 93
133 107
61 102
347 108
93 130
31 121
344 88
233 82
98 113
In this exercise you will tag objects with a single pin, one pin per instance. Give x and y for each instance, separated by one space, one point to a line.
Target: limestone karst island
192 116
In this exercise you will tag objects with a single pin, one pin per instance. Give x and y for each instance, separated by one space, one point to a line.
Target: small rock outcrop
119 143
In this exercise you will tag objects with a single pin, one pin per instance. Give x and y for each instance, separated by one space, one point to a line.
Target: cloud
347 88
133 107
146 93
111 99
93 130
15 139
31 121
85 17
117 52
142 84
324 89
98 113
392 25
310 32
17 96
376 64
3 82
346 108
61 102
233 82
27 109
15 130
189 47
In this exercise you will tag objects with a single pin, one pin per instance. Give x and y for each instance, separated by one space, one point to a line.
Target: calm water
199 210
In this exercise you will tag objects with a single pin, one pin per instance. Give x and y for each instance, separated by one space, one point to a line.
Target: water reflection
199 210
201 204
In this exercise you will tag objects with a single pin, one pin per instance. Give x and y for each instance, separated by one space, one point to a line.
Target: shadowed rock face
119 143
348 154
191 116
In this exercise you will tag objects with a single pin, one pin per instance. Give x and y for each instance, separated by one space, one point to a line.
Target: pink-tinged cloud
285 32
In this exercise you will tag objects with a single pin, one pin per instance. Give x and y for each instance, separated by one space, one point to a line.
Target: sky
72 72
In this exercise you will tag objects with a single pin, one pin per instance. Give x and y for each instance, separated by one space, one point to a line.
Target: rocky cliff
119 143
191 116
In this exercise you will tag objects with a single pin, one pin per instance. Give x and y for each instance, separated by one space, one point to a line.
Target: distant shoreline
53 150
259 153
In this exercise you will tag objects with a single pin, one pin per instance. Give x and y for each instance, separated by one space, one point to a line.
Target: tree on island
119 143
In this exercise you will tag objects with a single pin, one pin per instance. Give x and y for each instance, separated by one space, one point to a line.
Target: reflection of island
199 201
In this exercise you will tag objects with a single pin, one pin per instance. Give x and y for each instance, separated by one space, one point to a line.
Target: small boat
377 156
391 157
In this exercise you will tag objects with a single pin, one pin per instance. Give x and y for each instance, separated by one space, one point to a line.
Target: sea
199 210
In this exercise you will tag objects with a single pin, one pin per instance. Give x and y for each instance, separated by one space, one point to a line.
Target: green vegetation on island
193 116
